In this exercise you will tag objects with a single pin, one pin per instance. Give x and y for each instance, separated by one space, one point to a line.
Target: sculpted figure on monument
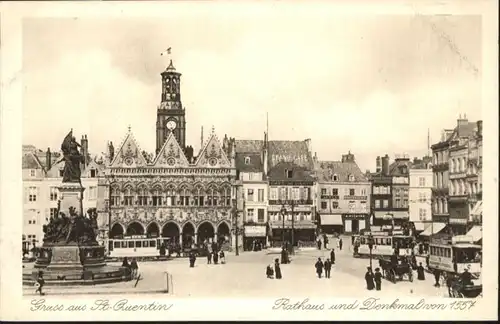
72 159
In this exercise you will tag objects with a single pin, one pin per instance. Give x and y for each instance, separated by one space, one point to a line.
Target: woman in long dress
370 285
277 269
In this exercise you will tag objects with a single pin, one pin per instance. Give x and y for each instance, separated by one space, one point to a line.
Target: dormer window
32 173
288 173
247 160
93 173
335 177
351 178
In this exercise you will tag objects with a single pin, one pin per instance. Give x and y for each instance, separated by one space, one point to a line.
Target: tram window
152 243
138 244
145 244
124 245
131 244
116 244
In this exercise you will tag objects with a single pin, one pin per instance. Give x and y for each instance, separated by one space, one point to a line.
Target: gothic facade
175 195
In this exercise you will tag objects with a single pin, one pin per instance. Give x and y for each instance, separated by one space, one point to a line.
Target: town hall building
174 195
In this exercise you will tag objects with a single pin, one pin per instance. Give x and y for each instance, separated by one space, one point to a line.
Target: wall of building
343 198
256 194
420 194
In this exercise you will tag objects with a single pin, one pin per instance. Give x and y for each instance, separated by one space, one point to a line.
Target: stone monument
70 253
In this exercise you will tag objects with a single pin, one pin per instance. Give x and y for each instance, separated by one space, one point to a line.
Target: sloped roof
396 166
30 161
299 173
325 170
254 165
249 146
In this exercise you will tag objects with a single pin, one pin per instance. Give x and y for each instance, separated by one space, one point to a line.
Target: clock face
171 124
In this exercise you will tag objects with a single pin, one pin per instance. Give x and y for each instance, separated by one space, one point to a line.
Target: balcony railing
329 197
289 202
355 197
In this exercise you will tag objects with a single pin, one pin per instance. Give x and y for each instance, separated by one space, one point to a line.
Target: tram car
384 244
137 246
455 255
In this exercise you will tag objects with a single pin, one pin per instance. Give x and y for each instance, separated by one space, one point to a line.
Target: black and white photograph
324 161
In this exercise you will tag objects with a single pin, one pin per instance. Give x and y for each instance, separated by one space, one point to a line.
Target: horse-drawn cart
394 272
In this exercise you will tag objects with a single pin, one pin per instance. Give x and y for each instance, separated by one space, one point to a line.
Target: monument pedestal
71 196
65 258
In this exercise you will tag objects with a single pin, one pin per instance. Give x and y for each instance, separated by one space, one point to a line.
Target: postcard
186 160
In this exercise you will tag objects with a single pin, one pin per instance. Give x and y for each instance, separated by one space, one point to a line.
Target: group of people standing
132 266
373 280
272 273
322 240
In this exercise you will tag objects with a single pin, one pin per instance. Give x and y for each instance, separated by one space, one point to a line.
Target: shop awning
390 215
331 219
433 228
478 209
420 226
476 232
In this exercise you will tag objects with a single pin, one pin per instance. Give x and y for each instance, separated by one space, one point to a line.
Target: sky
372 85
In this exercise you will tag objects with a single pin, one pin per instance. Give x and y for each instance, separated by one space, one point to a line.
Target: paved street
244 275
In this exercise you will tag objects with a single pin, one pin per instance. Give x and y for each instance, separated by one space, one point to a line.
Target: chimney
265 155
378 165
385 165
85 149
462 120
48 159
479 124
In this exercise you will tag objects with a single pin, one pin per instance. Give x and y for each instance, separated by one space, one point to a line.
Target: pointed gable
171 154
129 154
212 155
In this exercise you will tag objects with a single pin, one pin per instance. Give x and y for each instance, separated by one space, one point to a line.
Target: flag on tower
167 51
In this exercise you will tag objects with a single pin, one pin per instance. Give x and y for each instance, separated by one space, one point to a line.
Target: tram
136 246
455 255
384 244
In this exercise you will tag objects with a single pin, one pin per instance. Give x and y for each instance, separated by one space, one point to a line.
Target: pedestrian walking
332 256
192 259
319 267
277 269
318 242
40 282
325 241
437 276
216 257
269 272
222 257
420 272
134 267
369 279
340 244
450 278
328 268
209 256
283 256
378 279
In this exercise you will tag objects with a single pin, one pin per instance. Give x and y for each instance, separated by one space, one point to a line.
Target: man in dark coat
192 259
340 244
283 256
318 242
332 256
420 272
319 267
378 279
369 279
466 278
437 275
277 269
209 256
216 257
328 268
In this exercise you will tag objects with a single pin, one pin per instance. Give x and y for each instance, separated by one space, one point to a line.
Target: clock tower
170 115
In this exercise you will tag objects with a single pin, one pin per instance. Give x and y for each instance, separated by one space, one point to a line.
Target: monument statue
73 230
72 159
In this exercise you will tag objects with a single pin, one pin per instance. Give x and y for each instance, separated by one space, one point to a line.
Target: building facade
186 199
42 176
450 200
252 174
420 196
343 200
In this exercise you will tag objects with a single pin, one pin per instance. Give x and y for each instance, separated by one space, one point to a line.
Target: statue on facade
72 159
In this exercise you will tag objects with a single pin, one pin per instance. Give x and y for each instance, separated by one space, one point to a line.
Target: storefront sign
458 221
255 231
354 216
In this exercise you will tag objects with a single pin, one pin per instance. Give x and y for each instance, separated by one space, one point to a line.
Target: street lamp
236 230
370 246
283 214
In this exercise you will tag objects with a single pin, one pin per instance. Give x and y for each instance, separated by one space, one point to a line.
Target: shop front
331 223
304 233
255 237
354 223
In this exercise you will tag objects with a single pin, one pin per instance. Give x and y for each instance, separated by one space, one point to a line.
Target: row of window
250 216
381 203
351 206
298 216
93 173
347 192
381 190
251 195
32 193
182 200
288 193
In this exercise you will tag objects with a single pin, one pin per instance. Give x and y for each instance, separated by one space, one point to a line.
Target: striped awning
433 228
476 233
